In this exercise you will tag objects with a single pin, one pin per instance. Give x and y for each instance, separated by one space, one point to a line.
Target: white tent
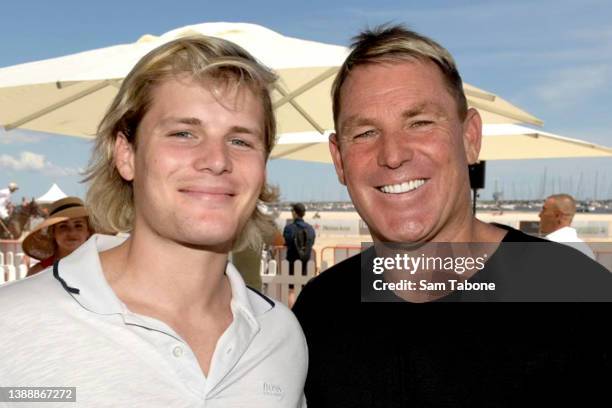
55 193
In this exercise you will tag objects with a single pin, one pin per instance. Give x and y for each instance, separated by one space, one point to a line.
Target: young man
161 318
404 139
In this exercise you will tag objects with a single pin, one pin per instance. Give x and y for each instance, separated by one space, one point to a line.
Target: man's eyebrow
357 120
415 111
197 122
422 108
183 121
243 129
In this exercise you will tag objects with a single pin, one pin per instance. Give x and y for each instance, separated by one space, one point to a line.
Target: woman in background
66 229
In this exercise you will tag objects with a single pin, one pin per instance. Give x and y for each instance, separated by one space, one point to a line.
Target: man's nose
214 156
393 150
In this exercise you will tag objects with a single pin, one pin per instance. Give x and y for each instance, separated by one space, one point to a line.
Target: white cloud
58 171
20 136
28 161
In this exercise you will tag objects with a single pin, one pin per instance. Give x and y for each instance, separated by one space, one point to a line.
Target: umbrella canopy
507 142
55 193
499 142
69 95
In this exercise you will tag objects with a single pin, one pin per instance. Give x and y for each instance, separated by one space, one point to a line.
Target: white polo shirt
67 328
569 236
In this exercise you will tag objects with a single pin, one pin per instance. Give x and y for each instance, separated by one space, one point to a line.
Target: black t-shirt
463 354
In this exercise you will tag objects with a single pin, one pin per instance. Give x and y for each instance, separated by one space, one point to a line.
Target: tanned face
402 151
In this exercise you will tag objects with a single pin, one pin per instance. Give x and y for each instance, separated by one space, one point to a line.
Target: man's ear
472 135
334 150
124 157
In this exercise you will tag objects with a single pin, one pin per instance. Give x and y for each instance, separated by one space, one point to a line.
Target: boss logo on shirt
273 390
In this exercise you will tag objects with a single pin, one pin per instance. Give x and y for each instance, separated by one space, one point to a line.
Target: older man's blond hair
394 44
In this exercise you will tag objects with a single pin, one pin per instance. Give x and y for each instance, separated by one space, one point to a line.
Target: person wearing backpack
299 238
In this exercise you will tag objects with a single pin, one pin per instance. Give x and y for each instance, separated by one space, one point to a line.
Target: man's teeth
402 188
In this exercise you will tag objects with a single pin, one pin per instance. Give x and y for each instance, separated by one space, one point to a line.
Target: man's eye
241 143
420 123
182 134
365 135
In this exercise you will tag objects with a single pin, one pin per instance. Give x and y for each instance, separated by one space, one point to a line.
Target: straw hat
39 243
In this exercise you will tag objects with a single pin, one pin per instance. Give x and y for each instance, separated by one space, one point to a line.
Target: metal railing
14 262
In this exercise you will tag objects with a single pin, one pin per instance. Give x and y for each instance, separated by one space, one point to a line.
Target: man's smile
401 188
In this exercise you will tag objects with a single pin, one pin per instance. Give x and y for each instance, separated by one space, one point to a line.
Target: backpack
300 241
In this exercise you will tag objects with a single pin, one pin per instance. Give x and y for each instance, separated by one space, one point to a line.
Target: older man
161 318
404 139
556 223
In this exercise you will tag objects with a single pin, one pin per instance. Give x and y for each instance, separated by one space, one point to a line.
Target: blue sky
552 58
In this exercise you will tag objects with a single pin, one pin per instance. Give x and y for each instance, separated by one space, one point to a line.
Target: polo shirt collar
82 272
244 298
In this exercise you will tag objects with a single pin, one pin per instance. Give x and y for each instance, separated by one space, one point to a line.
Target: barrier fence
335 254
278 283
275 270
13 262
278 253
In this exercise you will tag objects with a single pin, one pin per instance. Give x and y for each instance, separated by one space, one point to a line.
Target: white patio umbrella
500 142
68 95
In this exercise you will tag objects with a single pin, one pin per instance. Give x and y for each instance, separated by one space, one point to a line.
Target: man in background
299 238
556 220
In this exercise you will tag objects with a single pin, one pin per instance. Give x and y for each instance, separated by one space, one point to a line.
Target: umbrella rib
301 111
479 94
287 97
58 105
503 112
580 143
